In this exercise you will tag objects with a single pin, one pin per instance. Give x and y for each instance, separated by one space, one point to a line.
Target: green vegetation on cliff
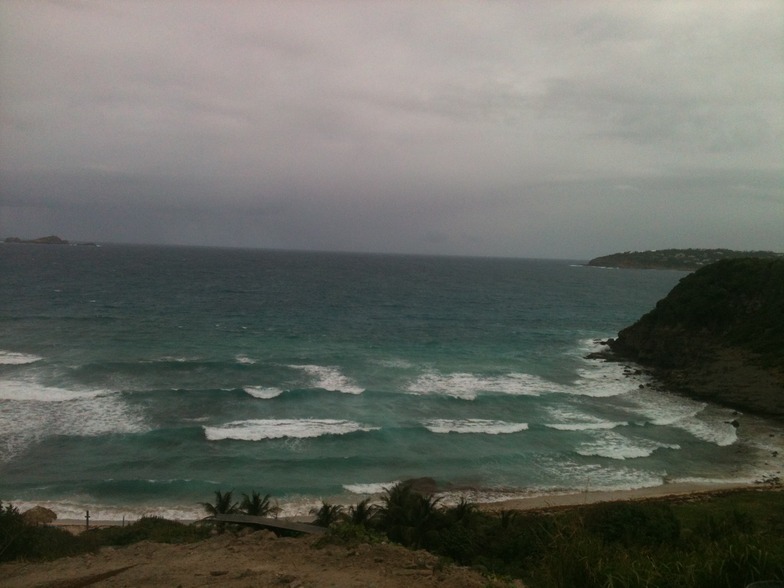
677 259
719 334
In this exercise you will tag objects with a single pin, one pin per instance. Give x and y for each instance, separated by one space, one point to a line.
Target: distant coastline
49 240
675 259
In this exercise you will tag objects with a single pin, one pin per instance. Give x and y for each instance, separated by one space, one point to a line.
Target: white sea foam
482 426
25 422
666 409
718 432
711 426
377 488
329 378
603 380
259 429
615 446
467 386
244 360
31 390
263 392
586 426
714 481
13 358
596 379
593 476
571 420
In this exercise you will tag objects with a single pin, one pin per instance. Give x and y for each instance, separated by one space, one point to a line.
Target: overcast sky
524 129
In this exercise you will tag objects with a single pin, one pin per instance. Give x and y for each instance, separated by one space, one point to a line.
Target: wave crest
260 429
482 426
14 358
329 378
615 446
467 386
263 392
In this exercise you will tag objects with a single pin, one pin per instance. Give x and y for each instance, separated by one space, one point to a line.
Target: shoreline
760 439
667 490
670 490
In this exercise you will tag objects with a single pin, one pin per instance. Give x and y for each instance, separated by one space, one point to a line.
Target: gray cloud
524 129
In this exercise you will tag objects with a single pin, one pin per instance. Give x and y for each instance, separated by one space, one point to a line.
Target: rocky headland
675 259
717 336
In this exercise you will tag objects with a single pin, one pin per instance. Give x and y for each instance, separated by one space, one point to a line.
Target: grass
727 540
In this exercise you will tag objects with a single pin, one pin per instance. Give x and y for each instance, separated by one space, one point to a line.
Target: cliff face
718 335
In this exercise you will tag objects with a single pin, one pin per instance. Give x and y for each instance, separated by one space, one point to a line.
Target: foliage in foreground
20 540
725 541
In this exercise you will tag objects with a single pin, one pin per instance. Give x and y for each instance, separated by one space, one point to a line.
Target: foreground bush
155 529
20 540
726 541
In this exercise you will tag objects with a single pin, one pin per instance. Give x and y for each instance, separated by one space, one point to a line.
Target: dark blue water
139 378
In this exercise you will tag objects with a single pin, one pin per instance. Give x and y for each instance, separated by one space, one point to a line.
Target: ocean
140 379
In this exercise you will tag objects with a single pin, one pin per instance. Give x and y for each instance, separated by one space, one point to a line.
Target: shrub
630 523
18 540
155 529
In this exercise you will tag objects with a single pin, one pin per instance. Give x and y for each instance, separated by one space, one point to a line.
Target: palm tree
327 514
363 513
257 506
464 512
408 517
222 504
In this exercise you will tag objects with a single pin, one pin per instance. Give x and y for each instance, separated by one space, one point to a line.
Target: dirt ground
249 559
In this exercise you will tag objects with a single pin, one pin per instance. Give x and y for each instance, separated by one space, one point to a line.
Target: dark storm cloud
526 129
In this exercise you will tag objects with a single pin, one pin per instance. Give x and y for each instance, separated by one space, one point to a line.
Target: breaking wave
260 429
481 426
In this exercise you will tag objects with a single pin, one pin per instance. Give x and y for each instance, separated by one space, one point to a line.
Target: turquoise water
142 378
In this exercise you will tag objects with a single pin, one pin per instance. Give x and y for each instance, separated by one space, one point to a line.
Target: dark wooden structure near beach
268 523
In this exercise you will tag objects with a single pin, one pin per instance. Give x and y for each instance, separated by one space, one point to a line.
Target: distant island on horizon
675 259
49 240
